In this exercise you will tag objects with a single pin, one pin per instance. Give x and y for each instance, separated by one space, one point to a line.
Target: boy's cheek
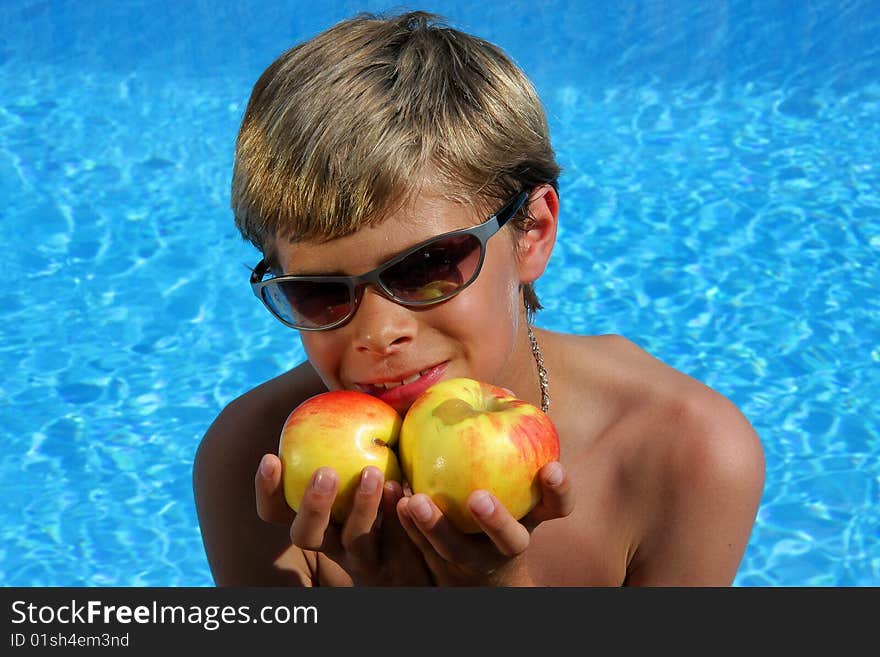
324 357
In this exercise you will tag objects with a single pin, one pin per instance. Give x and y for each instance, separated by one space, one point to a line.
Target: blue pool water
720 207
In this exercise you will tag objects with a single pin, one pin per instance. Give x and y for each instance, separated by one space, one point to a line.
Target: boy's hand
371 546
496 557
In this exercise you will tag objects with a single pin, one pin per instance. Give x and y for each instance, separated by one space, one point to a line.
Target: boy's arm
709 484
242 549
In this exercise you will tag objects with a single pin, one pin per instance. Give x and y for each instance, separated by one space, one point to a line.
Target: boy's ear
536 243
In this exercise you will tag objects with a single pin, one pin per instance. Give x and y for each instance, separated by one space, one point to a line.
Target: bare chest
573 551
594 544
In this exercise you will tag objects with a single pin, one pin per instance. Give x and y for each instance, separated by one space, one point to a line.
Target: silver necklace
542 371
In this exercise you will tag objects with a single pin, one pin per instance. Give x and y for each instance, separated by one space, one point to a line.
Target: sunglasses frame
357 284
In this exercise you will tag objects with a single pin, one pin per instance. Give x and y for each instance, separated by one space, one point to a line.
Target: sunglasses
426 274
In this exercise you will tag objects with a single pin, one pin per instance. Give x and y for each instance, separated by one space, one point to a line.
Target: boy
420 156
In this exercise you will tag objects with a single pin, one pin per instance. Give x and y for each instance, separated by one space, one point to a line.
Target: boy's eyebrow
335 272
387 257
276 269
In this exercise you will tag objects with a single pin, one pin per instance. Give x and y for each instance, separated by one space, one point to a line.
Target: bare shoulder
706 466
241 548
687 464
697 425
631 382
252 422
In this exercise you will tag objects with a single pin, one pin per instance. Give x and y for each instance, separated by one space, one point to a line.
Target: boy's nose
382 326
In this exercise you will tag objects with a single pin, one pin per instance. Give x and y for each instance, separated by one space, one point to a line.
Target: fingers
271 505
433 533
414 515
392 530
427 527
412 526
313 517
358 536
371 544
309 526
557 498
406 559
509 536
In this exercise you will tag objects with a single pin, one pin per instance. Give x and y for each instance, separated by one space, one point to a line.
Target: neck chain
542 372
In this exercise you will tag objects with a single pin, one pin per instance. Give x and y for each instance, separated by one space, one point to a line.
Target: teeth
394 384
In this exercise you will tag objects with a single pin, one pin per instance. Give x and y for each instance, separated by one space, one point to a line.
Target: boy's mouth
403 392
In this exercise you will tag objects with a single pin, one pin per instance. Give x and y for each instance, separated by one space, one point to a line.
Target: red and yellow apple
461 435
341 429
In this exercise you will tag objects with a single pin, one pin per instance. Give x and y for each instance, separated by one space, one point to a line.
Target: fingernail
322 480
419 508
554 474
265 468
370 480
481 503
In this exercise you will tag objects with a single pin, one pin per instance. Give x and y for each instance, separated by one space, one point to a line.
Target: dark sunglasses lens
436 271
308 304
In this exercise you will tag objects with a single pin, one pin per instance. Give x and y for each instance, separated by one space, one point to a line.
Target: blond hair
345 126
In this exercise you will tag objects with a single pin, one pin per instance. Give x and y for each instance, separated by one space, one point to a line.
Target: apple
342 429
461 435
